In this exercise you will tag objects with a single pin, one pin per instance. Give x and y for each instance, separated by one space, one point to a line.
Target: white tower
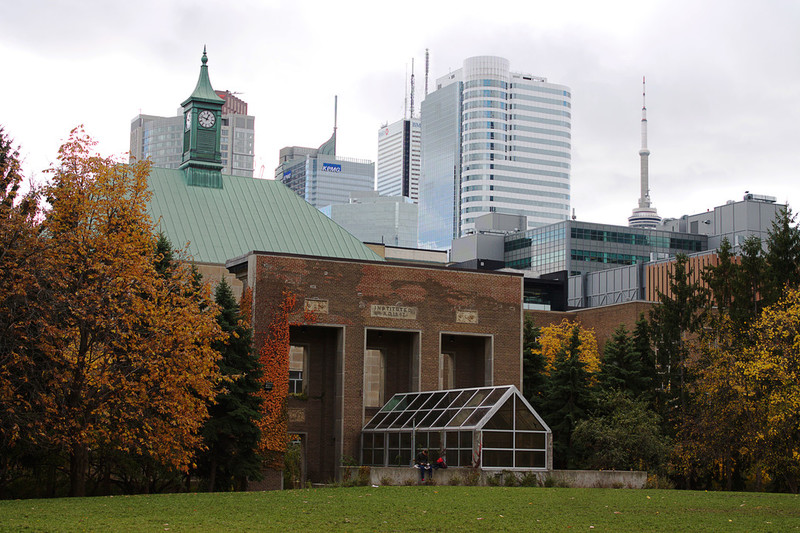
644 216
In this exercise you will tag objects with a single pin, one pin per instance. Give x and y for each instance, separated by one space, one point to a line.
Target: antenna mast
412 88
427 67
644 154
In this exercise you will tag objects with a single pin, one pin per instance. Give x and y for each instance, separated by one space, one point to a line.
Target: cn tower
644 216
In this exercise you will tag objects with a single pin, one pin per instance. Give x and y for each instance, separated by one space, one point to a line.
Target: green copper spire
203 92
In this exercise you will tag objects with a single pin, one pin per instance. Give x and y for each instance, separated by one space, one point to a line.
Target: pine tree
231 433
569 399
643 348
534 379
621 368
782 257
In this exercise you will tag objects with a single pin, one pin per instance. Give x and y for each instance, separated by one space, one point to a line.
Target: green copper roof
329 146
203 91
246 214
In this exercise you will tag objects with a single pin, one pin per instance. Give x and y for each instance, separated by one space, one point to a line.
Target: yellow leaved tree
556 337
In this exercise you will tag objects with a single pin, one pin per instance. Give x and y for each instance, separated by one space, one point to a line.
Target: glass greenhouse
488 427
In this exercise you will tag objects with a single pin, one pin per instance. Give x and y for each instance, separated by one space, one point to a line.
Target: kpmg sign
331 167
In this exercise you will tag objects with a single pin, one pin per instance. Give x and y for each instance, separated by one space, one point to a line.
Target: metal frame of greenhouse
486 427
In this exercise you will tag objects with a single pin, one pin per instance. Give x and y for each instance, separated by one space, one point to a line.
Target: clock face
188 120
206 119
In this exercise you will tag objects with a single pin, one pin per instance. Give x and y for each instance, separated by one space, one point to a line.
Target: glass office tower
493 141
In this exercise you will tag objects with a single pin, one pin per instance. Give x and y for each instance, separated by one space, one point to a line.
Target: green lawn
427 508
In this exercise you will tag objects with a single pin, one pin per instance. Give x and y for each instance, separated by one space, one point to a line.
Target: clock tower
202 160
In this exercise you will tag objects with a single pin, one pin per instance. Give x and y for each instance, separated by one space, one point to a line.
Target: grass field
426 508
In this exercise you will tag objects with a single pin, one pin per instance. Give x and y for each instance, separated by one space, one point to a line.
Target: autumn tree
126 361
232 434
21 255
555 337
773 374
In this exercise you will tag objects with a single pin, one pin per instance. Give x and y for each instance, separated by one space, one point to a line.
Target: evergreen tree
622 368
643 348
782 257
568 400
679 314
749 283
721 278
231 433
534 379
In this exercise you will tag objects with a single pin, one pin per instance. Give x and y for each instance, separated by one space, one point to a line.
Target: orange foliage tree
124 357
274 359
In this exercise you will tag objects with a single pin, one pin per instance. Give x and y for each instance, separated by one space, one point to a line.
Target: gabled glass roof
457 409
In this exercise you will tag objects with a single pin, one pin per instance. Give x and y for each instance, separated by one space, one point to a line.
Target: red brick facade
411 314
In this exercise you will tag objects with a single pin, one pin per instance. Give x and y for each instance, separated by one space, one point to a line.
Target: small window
297 374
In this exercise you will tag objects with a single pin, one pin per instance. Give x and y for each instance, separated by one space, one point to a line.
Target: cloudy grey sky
723 80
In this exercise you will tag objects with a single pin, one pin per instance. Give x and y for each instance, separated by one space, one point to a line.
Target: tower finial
205 57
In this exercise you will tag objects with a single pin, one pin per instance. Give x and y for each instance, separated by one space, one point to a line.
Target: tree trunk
212 475
78 465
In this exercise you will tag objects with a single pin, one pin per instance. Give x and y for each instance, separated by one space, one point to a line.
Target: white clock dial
206 119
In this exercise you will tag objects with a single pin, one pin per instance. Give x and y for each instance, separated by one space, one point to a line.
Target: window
297 363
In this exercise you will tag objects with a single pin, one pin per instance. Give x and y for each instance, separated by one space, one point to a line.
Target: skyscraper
321 177
493 141
399 162
161 138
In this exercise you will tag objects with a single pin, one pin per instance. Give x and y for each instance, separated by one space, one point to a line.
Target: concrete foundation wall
468 476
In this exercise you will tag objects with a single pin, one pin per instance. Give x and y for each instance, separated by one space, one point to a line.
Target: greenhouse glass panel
526 420
478 397
460 418
504 418
476 416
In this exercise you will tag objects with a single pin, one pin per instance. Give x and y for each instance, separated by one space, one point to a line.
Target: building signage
287 174
296 415
394 311
316 306
467 317
331 167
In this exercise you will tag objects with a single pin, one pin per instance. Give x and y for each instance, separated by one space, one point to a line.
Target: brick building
381 329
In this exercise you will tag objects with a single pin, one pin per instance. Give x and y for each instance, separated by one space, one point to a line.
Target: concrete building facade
371 217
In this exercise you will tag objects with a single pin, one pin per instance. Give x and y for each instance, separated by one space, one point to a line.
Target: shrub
510 479
529 479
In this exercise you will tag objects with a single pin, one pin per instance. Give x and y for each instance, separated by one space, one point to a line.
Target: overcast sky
723 80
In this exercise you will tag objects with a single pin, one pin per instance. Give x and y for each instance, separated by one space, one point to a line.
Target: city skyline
720 95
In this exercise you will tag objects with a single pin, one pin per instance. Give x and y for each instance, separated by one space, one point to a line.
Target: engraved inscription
393 311
296 415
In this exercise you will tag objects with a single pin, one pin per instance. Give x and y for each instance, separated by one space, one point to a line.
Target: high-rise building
161 138
399 159
492 140
321 177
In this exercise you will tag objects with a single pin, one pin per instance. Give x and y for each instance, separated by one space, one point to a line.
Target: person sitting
422 462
